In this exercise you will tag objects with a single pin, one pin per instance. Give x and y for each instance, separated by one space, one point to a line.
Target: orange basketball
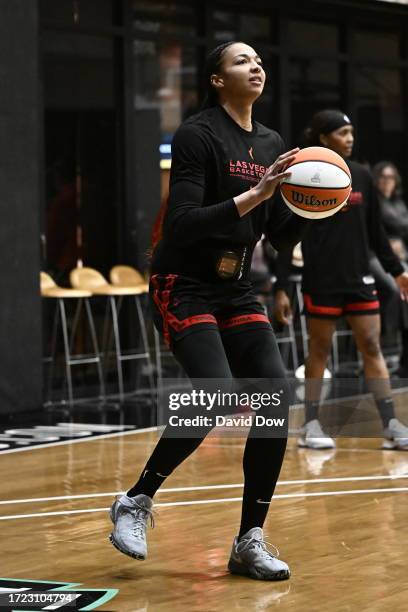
319 185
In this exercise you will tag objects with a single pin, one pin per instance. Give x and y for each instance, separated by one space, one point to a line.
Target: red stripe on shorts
189 321
363 306
241 320
312 308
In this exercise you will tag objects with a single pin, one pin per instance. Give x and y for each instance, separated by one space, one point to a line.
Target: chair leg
335 354
292 336
106 334
303 324
117 345
75 323
53 348
95 346
145 343
66 350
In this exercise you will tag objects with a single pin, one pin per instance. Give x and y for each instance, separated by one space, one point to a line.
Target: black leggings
246 354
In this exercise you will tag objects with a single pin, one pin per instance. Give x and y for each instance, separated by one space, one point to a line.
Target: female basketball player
225 170
337 282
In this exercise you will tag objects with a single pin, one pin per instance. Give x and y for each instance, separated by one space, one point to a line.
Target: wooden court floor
340 518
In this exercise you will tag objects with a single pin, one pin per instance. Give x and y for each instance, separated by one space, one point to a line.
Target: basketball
320 183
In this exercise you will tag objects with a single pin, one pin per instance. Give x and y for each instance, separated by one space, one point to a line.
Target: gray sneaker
313 436
250 557
396 436
129 516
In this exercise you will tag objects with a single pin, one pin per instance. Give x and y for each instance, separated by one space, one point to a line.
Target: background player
337 282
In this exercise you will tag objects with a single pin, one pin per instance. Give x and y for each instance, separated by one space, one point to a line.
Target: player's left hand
402 282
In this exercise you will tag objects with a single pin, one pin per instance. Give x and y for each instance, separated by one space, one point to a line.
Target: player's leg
321 331
366 329
253 353
202 355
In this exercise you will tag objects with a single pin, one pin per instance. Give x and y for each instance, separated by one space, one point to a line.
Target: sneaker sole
137 556
302 444
243 570
391 445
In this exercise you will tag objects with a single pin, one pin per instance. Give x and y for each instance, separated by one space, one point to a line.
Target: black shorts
183 305
334 305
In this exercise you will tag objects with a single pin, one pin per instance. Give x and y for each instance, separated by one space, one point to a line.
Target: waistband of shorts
203 262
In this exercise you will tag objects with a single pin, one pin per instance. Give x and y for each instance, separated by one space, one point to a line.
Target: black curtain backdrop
20 163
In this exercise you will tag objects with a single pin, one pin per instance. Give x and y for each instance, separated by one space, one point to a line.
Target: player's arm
187 220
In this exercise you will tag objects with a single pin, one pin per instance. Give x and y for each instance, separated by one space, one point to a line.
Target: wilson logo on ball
319 185
312 201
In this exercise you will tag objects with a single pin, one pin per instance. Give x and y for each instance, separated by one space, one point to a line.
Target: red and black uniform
336 252
200 283
200 268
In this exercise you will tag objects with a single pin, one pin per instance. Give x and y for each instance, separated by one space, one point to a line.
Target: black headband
332 121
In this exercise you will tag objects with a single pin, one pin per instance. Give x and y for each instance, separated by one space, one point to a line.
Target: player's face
341 141
241 75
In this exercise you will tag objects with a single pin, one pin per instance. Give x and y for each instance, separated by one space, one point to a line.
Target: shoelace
261 544
140 513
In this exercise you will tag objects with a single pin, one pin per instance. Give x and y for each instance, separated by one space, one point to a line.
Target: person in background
394 213
337 282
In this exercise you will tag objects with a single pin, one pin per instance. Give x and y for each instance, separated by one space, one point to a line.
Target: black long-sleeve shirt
213 161
336 250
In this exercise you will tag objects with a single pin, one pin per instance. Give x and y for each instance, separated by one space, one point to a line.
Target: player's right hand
275 174
282 308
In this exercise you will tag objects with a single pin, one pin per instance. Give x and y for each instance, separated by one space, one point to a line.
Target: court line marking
39 446
209 501
206 444
206 488
305 450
